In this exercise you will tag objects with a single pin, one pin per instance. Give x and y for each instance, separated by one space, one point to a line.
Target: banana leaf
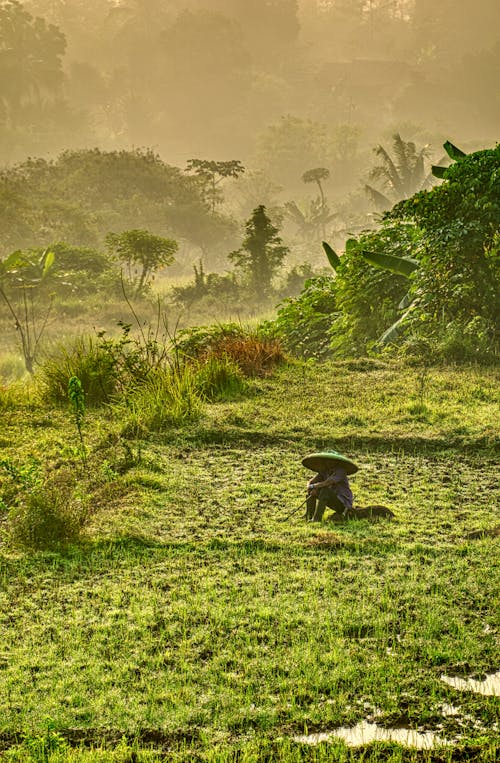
392 332
47 261
378 198
403 266
333 257
406 301
453 152
438 171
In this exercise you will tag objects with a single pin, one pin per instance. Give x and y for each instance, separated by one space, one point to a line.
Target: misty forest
249 389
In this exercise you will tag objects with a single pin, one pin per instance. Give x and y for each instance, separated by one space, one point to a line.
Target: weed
87 359
77 401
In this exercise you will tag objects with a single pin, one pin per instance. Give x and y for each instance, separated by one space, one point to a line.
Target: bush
88 359
254 354
303 324
50 514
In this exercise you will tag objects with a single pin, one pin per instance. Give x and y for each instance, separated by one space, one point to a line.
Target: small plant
21 278
77 400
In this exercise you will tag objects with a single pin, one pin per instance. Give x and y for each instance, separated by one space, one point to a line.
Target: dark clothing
336 495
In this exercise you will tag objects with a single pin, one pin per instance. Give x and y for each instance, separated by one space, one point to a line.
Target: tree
143 249
211 174
30 60
401 176
316 176
262 251
21 277
311 221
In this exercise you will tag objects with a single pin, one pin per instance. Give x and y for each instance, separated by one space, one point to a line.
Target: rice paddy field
200 618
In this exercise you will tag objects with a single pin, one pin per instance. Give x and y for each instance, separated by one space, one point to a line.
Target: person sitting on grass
330 486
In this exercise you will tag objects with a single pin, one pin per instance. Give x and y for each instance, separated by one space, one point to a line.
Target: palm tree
316 176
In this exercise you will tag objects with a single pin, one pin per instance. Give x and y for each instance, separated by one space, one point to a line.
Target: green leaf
403 266
12 262
333 257
453 152
351 243
48 261
438 171
393 331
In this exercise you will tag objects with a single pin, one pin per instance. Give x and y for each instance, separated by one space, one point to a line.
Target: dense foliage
448 306
457 282
82 195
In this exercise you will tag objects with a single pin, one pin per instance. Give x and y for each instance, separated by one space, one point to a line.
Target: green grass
192 624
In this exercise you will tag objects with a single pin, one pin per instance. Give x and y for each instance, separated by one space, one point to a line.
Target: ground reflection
366 732
490 686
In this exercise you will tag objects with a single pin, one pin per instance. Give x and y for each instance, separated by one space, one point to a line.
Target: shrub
50 514
303 323
254 354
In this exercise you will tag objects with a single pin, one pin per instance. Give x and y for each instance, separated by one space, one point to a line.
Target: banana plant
24 273
403 266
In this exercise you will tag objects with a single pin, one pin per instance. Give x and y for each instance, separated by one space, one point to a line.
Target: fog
215 78
282 86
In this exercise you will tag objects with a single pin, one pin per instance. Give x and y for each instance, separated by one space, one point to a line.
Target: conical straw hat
328 459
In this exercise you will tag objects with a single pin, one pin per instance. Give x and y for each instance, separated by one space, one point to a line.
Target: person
330 486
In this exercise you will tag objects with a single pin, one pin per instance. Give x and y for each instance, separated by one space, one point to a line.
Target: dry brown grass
254 356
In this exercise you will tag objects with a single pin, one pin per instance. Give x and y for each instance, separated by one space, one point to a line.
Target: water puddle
490 686
366 732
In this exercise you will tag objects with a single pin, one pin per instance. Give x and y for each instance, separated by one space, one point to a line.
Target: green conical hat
319 462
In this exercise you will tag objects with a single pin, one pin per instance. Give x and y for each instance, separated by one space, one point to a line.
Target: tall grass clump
86 358
168 397
219 378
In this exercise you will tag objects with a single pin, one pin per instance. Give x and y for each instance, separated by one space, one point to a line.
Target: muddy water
490 686
366 732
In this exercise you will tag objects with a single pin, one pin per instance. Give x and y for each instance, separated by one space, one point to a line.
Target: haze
280 85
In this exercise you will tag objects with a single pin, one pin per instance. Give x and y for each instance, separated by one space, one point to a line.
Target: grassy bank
192 623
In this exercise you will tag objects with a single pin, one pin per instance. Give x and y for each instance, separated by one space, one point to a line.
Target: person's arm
313 483
332 479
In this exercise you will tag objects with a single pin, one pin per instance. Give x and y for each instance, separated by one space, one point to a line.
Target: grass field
193 624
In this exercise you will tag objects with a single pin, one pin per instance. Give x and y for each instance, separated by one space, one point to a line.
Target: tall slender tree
261 253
